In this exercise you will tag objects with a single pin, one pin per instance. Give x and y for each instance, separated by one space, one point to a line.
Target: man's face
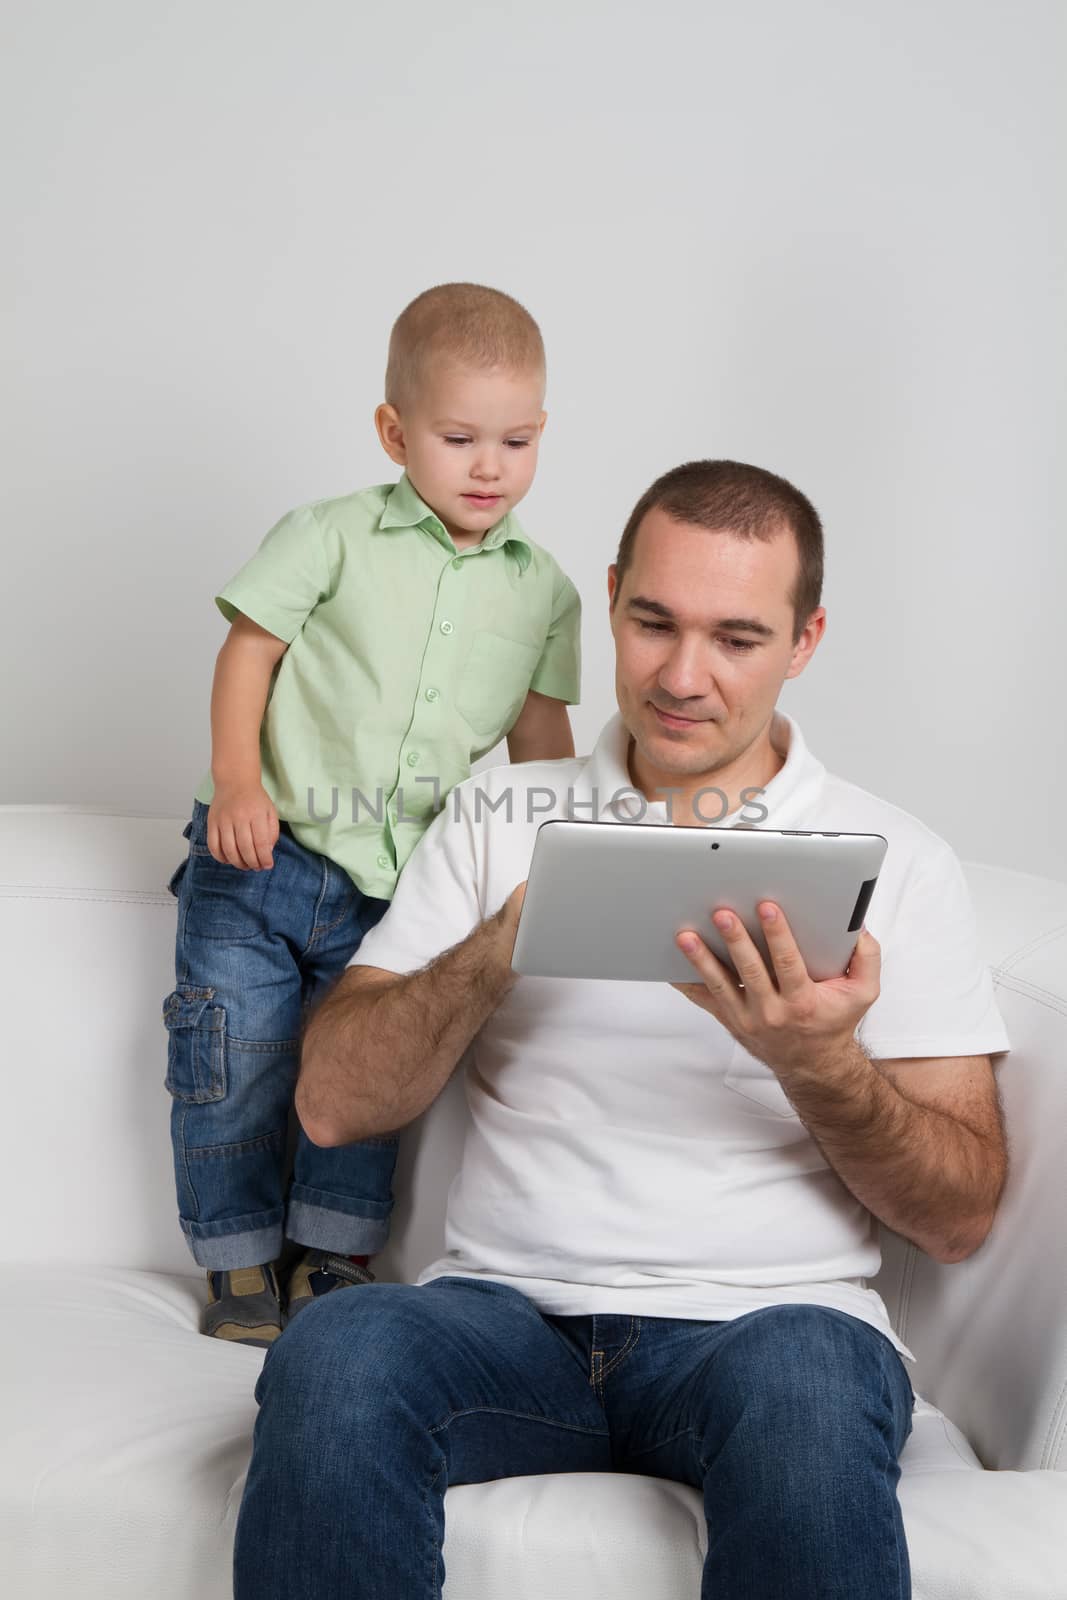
703 628
469 443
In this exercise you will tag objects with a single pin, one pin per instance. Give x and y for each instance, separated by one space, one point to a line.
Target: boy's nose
486 468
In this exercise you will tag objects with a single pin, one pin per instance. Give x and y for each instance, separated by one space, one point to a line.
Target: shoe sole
261 1337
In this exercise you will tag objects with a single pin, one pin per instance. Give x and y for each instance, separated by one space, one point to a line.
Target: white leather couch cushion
126 1435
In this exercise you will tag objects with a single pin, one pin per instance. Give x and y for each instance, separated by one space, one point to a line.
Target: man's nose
683 675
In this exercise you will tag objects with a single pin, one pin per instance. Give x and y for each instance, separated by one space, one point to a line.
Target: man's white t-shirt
624 1153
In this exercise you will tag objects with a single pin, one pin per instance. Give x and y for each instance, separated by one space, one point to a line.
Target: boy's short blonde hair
465 323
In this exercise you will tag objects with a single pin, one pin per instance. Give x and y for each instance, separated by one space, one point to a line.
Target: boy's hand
242 827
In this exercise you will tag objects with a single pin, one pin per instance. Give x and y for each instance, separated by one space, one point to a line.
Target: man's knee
348 1356
812 1374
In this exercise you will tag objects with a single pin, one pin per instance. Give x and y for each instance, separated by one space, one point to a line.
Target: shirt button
384 861
457 562
446 627
413 758
433 694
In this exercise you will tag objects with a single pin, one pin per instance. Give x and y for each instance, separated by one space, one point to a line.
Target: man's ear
391 433
808 642
613 580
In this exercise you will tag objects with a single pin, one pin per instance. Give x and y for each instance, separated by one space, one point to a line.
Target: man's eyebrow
732 624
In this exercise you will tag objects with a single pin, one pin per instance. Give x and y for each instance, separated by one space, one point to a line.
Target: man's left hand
786 1020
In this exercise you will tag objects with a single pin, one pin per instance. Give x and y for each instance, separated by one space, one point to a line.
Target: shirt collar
405 508
604 790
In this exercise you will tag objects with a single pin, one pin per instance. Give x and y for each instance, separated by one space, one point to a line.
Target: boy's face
468 443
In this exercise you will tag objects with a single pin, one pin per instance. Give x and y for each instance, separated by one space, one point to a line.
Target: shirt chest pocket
494 683
759 1086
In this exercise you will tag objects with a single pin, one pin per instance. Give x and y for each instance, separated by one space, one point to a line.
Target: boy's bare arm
542 731
381 1047
242 822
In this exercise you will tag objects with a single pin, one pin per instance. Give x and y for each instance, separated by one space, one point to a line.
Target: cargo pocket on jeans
196 1048
179 872
176 877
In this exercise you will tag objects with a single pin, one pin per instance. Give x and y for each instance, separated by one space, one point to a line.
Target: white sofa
125 1435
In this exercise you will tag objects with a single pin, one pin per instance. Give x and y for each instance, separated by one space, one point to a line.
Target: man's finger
748 963
865 968
789 966
717 981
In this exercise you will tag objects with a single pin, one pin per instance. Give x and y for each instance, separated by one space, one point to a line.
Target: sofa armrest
990 1333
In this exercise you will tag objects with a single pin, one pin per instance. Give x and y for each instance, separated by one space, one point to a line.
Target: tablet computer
605 899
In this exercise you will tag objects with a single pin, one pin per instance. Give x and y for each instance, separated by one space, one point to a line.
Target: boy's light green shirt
407 660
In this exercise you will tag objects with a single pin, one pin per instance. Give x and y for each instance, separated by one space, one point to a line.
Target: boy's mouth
482 499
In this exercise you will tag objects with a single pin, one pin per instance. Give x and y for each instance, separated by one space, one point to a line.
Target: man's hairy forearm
922 1172
376 1054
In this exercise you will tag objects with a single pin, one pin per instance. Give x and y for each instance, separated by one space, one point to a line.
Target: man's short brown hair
464 323
730 497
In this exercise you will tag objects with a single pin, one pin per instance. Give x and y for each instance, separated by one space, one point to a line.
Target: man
659 1240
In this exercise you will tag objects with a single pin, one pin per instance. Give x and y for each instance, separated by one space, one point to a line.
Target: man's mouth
669 720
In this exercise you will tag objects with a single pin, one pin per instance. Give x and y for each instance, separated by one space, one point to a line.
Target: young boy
379 643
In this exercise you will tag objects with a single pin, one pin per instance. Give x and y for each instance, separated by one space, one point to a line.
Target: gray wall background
826 237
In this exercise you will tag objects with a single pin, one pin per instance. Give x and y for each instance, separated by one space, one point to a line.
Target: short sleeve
284 581
559 671
936 994
438 900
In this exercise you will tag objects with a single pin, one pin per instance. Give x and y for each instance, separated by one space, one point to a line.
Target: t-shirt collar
405 508
605 791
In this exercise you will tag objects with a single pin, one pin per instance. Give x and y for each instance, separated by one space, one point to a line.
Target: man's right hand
382 1045
242 827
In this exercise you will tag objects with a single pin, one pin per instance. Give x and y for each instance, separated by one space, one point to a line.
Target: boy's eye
461 438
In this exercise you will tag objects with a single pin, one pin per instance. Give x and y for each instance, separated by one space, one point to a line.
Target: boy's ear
391 433
544 419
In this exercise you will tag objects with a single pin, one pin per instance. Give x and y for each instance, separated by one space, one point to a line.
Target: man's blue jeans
254 951
789 1420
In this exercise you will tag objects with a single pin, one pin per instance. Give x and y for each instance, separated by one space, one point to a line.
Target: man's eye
742 645
653 627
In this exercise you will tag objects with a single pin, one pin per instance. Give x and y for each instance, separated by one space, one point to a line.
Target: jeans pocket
225 902
196 1046
176 877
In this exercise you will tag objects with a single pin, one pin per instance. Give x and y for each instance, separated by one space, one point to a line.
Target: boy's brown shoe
320 1272
244 1306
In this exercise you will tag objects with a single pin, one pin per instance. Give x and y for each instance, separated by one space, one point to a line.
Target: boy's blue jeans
789 1420
254 950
